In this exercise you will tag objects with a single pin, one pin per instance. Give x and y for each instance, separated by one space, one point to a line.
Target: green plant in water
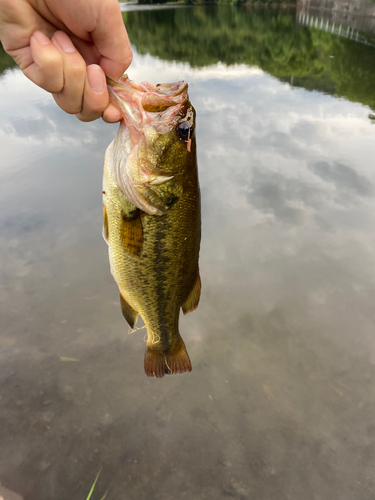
93 487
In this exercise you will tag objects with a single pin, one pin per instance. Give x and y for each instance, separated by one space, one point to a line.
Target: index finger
100 32
111 40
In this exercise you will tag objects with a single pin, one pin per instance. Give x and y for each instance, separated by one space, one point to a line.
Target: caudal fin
165 362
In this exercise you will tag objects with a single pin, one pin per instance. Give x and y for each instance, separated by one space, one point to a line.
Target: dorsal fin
192 301
105 225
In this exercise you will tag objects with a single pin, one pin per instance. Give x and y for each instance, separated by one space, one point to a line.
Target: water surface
281 399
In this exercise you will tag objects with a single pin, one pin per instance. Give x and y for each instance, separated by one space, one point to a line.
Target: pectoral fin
159 195
192 301
132 232
128 312
150 202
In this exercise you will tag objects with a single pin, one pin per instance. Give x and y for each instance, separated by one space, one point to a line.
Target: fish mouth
160 106
141 104
153 97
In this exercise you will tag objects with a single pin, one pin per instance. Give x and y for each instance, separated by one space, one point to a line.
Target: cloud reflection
30 114
344 178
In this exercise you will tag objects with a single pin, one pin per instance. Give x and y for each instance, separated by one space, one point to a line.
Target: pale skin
67 47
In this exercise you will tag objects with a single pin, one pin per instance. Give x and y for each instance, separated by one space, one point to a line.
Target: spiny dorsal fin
192 301
128 312
132 232
105 225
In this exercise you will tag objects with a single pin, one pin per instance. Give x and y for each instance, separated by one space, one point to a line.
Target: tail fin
167 361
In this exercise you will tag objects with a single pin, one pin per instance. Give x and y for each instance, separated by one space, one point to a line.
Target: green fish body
151 222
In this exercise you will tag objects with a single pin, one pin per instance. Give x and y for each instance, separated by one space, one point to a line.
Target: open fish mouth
167 89
147 103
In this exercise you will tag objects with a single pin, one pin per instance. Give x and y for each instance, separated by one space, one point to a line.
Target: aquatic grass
93 487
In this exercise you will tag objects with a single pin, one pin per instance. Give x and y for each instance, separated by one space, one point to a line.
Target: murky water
281 400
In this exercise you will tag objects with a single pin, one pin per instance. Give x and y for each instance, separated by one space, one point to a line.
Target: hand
67 47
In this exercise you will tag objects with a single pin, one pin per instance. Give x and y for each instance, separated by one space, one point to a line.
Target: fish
152 215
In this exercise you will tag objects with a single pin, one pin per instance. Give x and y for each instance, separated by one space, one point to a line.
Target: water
281 401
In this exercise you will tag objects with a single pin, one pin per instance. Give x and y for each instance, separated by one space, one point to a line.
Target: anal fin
128 312
192 301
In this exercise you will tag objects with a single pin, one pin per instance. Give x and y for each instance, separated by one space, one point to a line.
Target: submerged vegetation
269 39
93 488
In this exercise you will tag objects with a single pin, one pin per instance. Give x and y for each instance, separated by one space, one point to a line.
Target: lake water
281 401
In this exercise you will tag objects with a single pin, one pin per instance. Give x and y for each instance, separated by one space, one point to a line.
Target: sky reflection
271 157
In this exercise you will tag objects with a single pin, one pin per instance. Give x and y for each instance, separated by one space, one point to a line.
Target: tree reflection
270 39
5 60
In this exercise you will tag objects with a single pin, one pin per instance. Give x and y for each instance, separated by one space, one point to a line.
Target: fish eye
185 131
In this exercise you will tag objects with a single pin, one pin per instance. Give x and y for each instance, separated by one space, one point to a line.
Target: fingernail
64 42
96 78
41 38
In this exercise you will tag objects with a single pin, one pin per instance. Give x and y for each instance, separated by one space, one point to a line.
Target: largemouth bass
151 215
